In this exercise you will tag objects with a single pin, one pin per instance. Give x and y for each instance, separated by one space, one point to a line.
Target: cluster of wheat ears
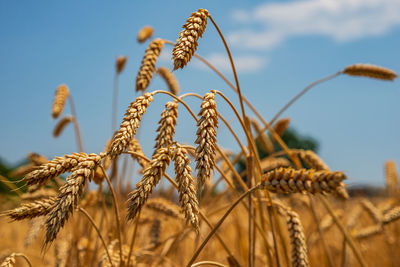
158 232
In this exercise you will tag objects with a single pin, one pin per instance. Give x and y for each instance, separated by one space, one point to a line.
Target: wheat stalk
206 139
170 79
391 176
262 138
68 198
148 64
129 124
288 180
166 128
54 168
120 64
145 33
186 186
61 125
31 210
60 97
281 125
186 44
371 71
151 177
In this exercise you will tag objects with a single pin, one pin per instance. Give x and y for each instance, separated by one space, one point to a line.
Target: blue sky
279 47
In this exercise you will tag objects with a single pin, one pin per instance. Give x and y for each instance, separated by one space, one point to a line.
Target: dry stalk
170 79
129 124
60 97
166 128
186 44
371 71
186 186
206 139
151 177
120 64
61 125
262 138
392 177
148 64
281 125
288 180
145 33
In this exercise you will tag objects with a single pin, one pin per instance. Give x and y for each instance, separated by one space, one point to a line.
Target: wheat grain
281 125
288 180
263 139
163 206
371 71
392 177
186 44
206 139
53 168
61 96
145 33
148 65
129 124
151 177
31 210
61 125
186 186
313 160
166 128
120 64
68 198
170 79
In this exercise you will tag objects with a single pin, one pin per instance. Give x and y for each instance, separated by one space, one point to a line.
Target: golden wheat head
170 79
145 33
60 97
120 64
371 71
186 44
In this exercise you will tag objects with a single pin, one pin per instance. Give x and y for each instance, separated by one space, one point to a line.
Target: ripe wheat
60 97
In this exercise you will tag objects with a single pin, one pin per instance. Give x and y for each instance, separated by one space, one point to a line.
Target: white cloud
342 20
243 63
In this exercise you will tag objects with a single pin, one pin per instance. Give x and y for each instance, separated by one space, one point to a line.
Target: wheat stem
76 125
212 263
114 104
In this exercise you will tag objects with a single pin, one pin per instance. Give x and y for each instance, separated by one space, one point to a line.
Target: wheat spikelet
53 168
297 239
281 125
313 160
288 180
129 125
186 44
37 159
166 128
115 256
163 206
155 232
368 231
391 177
186 186
268 164
35 226
9 261
148 64
151 177
31 210
371 71
120 64
262 139
135 147
61 125
372 210
170 79
68 198
206 139
61 96
391 215
145 33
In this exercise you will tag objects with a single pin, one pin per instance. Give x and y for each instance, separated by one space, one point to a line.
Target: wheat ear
120 64
391 215
170 79
145 33
148 64
297 240
313 160
391 177
151 177
371 71
54 168
376 214
166 125
10 260
60 97
281 125
164 206
206 139
129 124
37 159
61 125
68 198
186 44
155 232
268 164
31 210
186 186
288 180
368 231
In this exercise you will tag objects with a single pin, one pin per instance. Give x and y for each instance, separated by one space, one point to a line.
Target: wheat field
285 209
